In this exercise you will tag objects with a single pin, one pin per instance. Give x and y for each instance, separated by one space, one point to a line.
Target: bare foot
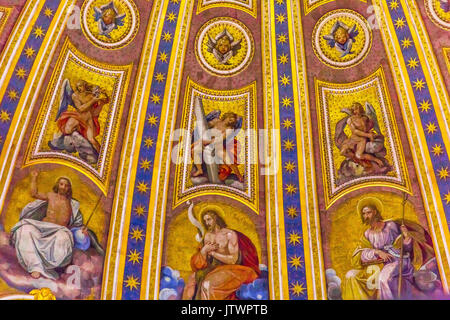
35 275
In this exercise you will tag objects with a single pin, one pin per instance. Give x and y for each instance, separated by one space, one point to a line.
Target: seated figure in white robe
43 238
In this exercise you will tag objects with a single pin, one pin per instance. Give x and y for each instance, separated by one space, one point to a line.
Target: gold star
286 102
134 257
146 164
167 36
29 52
152 120
399 23
156 99
140 210
437 150
406 43
148 142
292 212
281 18
21 73
431 128
13 95
136 234
425 106
294 238
287 123
38 32
48 12
443 173
288 145
285 80
163 56
4 116
290 189
142 187
171 17
282 38
132 282
174 1
413 63
447 198
160 77
296 262
419 84
283 58
394 5
298 289
289 166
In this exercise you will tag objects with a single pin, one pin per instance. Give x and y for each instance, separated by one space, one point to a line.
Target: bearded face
210 222
369 215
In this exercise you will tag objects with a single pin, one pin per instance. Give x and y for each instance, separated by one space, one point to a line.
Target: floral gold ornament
342 38
110 24
224 46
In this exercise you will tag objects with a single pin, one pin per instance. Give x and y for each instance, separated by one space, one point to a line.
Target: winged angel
364 149
79 128
215 148
342 38
108 18
223 46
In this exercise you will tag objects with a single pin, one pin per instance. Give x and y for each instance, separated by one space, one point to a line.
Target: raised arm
34 190
83 107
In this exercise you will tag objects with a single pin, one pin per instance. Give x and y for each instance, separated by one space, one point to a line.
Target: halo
64 177
370 201
211 207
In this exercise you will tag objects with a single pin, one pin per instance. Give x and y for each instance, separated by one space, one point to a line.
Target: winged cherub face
223 45
109 16
341 35
357 109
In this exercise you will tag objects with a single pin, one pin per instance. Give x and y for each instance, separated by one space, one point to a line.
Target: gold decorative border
404 184
446 52
251 198
249 6
429 8
34 155
104 45
309 5
6 11
416 135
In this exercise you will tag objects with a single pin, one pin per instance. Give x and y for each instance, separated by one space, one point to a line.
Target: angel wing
211 44
97 13
66 98
195 222
236 46
353 32
330 40
340 135
119 20
201 121
371 113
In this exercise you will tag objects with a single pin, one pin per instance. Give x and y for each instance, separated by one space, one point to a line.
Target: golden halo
211 207
370 201
64 177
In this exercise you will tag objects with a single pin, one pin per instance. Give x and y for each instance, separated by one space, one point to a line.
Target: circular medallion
224 46
342 38
110 24
439 12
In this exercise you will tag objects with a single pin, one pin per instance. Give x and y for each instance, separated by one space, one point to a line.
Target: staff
95 208
400 265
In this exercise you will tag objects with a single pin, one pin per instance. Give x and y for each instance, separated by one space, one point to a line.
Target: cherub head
341 35
108 16
223 44
230 119
82 86
357 109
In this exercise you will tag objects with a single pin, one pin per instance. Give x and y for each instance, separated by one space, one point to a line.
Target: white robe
43 246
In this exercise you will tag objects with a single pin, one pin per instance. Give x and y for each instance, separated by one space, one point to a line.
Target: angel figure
215 139
223 46
342 38
445 5
80 127
364 149
108 18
